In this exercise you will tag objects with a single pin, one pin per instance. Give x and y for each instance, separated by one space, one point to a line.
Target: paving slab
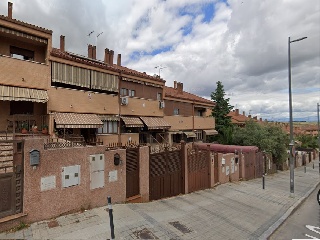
240 210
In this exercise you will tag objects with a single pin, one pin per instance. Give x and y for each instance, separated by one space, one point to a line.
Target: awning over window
9 93
190 134
132 121
77 120
111 118
210 132
155 123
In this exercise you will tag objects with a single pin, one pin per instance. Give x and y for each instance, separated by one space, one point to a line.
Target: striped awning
155 123
9 93
77 120
190 134
210 132
111 118
132 121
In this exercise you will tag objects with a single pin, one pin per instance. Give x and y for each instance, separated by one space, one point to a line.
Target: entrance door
132 172
11 165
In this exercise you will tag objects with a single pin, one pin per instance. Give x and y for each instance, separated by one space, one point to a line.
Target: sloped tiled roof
26 24
174 93
100 64
239 118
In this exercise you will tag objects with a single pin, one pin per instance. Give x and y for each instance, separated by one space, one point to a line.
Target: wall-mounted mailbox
34 157
223 161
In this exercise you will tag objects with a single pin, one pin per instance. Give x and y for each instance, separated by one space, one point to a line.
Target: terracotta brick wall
41 205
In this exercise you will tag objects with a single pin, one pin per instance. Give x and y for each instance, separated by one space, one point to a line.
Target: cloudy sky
242 43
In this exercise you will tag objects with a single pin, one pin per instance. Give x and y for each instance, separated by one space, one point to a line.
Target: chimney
175 84
243 113
62 43
89 51
260 119
94 52
10 5
255 118
249 116
106 55
119 60
180 87
237 112
111 57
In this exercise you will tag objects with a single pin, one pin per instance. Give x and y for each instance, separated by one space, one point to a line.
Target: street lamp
318 106
291 144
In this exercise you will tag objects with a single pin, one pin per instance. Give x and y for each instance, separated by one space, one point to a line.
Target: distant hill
305 119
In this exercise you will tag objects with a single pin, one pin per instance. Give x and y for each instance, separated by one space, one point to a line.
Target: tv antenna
160 68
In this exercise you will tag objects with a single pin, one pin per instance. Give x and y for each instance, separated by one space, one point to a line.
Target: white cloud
244 45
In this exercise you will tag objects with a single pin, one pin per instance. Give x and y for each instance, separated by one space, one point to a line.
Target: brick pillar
144 173
210 175
184 168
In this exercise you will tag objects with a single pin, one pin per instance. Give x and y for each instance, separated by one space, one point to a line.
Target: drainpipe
119 107
193 118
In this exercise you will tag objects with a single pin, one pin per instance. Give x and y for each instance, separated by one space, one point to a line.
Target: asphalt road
304 223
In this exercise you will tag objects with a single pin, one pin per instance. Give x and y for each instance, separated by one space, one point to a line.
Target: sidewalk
241 210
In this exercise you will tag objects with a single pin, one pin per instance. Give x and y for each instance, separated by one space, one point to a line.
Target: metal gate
132 172
198 170
259 168
11 177
165 173
249 165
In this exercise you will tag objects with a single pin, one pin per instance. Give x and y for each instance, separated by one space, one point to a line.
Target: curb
279 222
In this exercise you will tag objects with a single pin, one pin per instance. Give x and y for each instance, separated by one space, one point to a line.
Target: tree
220 112
308 141
268 138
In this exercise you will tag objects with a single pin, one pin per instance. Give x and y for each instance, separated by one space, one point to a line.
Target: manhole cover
145 234
182 228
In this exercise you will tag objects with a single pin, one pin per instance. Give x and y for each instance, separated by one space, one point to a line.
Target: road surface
304 223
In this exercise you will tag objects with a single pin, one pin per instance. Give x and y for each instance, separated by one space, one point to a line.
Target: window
124 92
159 96
132 93
200 113
21 107
176 111
21 53
199 135
109 127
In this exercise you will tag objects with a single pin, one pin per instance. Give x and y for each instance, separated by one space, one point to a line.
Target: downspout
119 107
193 118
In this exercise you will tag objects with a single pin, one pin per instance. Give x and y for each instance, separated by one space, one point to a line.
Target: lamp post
291 144
318 107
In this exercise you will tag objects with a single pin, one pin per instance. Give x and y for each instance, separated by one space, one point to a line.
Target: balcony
30 75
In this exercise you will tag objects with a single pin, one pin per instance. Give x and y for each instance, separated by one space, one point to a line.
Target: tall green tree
220 112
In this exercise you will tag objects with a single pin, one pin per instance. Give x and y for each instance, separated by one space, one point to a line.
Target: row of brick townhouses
77 95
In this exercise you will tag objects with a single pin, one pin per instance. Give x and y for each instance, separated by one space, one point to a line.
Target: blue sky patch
208 11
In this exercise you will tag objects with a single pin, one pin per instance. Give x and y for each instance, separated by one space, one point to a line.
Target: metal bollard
305 168
263 181
313 165
111 217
